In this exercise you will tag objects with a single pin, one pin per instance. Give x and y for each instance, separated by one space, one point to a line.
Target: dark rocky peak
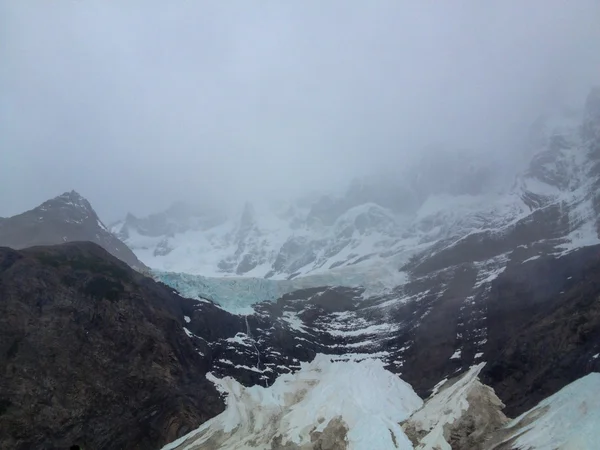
247 220
182 211
451 171
72 198
179 217
326 210
111 344
130 218
590 130
153 225
387 190
66 218
70 205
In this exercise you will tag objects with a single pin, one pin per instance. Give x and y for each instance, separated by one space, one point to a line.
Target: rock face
94 354
66 218
462 414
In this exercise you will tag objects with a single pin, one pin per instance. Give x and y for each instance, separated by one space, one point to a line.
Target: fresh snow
366 398
566 420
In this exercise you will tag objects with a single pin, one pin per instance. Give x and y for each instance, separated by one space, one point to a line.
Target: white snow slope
443 409
367 399
567 420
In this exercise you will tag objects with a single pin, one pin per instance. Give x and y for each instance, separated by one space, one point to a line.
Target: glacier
358 404
238 294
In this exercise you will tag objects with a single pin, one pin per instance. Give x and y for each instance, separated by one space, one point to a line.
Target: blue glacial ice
238 294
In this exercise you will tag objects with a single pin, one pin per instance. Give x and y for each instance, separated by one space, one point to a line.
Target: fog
136 104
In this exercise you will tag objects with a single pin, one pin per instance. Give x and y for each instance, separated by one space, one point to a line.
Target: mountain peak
591 121
65 218
71 198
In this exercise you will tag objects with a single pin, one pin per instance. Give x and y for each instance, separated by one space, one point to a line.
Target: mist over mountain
300 225
220 104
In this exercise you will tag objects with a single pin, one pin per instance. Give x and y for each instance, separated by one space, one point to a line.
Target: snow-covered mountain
447 209
431 274
502 276
446 199
380 219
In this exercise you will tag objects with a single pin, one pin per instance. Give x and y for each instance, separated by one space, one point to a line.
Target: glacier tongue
357 405
238 294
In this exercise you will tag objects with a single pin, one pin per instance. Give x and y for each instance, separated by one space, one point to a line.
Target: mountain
94 354
312 409
377 220
66 218
488 306
508 278
447 204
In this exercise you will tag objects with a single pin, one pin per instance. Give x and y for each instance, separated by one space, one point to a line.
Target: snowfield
353 402
567 420
357 402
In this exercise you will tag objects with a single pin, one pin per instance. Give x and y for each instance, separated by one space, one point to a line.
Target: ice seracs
353 404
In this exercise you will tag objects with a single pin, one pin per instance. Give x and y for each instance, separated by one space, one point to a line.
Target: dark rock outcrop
544 328
66 218
94 354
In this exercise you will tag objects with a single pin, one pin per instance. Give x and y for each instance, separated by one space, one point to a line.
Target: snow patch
456 354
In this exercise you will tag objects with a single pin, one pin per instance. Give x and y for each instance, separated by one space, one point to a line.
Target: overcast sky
138 103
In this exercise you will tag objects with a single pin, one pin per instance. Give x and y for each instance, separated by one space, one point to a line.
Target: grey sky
138 103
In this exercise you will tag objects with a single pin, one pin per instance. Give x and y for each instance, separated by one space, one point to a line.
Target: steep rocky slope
66 218
94 354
